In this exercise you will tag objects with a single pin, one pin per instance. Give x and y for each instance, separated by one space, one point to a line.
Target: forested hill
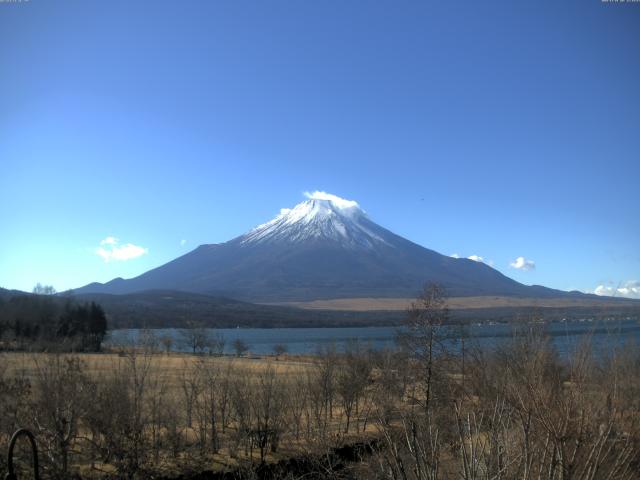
176 309
167 308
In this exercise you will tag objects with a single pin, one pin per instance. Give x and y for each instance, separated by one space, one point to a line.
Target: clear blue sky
497 129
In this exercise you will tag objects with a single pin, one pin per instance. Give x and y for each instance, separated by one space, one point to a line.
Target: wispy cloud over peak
336 200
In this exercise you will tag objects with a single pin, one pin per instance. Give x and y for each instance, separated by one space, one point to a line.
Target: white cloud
454 255
109 241
522 263
602 290
110 250
631 289
479 259
183 242
337 201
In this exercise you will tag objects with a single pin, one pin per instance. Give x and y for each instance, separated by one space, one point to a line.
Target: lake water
565 336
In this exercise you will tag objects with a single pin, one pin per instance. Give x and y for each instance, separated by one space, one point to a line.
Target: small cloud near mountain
630 289
479 259
522 263
475 258
110 249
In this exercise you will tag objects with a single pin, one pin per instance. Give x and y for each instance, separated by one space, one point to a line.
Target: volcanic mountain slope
325 247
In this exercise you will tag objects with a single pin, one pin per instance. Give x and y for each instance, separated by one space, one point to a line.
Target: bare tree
209 374
224 394
297 402
190 386
195 337
351 380
424 337
40 289
240 403
157 405
167 342
279 349
321 385
215 344
240 347
16 392
267 405
60 402
119 418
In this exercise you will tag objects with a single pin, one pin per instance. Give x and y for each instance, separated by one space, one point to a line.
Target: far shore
458 303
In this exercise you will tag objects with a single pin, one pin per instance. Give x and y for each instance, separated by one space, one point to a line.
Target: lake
565 336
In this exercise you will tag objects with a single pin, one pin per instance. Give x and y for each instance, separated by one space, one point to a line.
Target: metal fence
11 474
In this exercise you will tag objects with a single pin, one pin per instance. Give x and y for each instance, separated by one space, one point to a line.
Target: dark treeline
41 322
174 309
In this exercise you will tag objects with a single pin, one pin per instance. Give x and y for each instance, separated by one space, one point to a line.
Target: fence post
11 475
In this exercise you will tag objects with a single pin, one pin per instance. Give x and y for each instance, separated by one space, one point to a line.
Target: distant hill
175 309
322 249
165 308
7 294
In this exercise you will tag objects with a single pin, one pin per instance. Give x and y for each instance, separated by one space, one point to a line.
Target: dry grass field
172 366
519 411
191 412
457 303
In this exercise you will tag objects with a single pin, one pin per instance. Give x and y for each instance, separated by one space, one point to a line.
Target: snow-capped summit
323 217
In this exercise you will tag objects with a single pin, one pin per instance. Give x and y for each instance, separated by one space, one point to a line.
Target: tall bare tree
424 336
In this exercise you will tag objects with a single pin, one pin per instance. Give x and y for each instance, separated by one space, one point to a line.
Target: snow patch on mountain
324 217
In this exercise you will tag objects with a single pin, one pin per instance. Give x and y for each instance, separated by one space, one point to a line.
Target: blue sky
497 129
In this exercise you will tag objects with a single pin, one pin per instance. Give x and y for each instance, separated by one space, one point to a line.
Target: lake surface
565 336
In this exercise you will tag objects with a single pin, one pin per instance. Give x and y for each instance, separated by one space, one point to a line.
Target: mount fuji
324 248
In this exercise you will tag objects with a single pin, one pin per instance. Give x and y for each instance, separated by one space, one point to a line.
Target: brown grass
461 303
172 365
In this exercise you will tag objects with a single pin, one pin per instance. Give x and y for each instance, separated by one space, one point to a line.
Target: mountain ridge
325 247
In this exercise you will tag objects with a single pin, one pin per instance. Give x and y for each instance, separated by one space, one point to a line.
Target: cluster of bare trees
197 339
141 412
517 411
